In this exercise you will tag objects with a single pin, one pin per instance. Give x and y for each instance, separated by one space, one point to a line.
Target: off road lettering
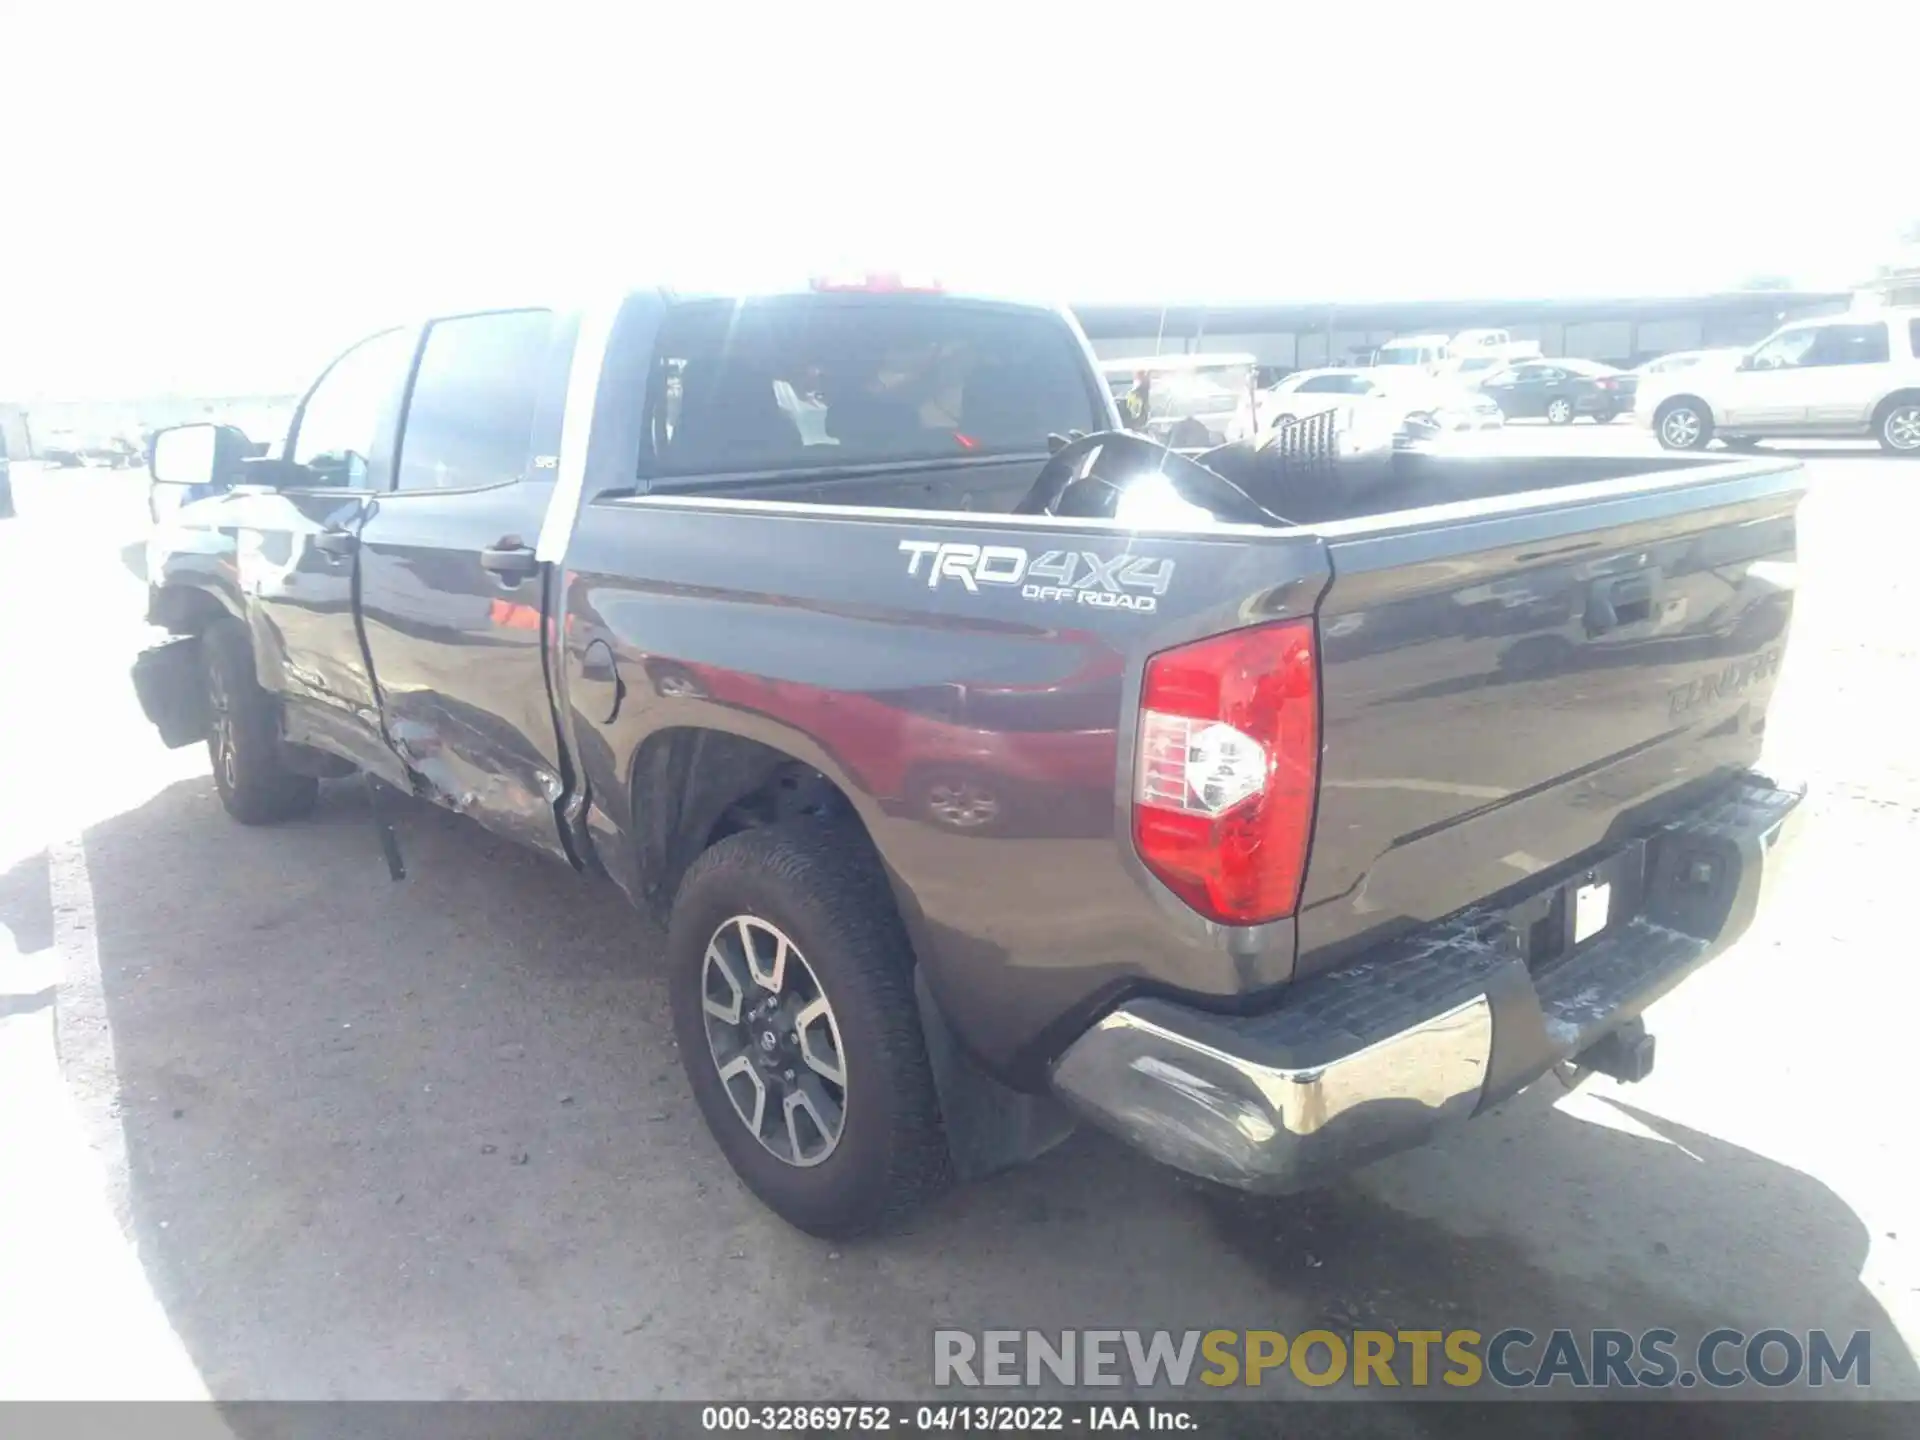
1069 577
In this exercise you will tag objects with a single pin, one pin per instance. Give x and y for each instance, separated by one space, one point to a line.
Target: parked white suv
1852 376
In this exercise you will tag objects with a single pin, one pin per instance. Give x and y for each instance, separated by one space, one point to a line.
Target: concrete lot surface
312 1134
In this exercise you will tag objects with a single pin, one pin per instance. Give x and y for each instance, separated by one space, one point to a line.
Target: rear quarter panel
805 631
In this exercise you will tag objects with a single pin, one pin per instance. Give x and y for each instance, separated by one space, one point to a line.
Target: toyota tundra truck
997 769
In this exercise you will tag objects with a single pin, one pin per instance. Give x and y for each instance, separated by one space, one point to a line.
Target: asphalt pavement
275 1127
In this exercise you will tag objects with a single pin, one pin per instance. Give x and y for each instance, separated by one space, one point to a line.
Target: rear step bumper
1376 1056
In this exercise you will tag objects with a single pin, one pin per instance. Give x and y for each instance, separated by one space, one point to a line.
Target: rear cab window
813 382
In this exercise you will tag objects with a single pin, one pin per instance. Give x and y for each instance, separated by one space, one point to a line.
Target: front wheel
1683 425
249 765
1899 428
793 1007
1559 411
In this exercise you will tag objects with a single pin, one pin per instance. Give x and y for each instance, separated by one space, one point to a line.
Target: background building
1621 331
1283 336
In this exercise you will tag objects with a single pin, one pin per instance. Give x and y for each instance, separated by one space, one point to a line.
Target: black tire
1740 442
243 742
1280 420
1897 425
818 884
1671 431
1559 411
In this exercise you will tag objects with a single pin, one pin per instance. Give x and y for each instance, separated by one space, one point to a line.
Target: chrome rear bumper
1377 1056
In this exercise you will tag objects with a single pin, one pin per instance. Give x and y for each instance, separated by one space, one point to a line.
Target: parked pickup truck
994 767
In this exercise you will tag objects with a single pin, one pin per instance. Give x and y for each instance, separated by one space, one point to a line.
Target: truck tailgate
1503 692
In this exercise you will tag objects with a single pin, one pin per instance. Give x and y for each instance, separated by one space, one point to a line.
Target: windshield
1403 355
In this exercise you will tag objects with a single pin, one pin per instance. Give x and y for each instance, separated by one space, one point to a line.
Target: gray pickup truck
996 768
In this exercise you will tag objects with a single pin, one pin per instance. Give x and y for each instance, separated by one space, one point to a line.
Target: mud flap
172 689
989 1126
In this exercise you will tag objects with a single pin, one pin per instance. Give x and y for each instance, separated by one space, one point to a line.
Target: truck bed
1302 494
1520 659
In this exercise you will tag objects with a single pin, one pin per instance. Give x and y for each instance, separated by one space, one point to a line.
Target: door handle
336 542
509 561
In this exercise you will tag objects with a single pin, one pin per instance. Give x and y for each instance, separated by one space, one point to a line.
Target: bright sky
214 197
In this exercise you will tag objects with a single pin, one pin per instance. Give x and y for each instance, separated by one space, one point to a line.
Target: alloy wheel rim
963 805
774 1040
1903 428
1559 410
1681 428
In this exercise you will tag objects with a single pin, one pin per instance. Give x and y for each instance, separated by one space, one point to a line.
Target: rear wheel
1560 411
1899 429
794 1010
249 764
1683 425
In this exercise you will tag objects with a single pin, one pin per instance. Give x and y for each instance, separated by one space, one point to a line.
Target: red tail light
879 283
1228 759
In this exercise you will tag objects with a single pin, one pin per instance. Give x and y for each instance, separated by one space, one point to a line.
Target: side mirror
200 454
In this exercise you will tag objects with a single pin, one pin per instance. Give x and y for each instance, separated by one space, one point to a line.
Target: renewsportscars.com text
1511 1359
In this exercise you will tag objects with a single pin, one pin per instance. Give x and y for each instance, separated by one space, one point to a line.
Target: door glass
1849 345
1785 351
470 417
342 411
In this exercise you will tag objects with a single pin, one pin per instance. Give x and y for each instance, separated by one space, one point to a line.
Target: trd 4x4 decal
1073 577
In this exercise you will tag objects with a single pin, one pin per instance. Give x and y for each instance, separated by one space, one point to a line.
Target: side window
469 421
1913 338
1323 385
342 411
1849 345
1786 350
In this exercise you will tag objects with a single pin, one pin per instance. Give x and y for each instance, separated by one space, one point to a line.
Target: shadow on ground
430 1140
